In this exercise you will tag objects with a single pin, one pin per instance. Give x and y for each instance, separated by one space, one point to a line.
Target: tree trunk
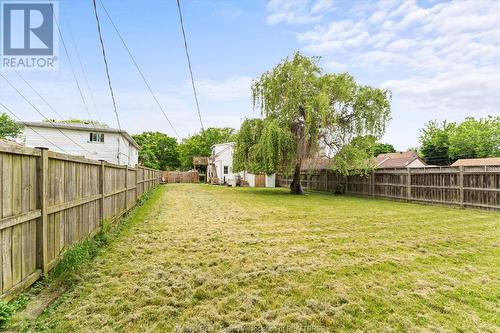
295 187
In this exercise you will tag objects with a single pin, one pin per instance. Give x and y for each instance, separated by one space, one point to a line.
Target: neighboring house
317 163
220 169
95 142
477 161
407 159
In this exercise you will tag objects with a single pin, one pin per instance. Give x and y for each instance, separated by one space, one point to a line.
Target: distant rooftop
396 160
477 161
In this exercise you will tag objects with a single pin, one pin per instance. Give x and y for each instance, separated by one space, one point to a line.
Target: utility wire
70 63
39 95
42 115
139 69
189 63
106 64
34 130
54 110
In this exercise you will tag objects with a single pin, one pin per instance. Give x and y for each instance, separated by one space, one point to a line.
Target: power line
39 95
42 115
138 69
189 63
34 130
53 109
106 64
70 63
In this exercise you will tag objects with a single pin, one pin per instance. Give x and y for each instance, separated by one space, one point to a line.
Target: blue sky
441 60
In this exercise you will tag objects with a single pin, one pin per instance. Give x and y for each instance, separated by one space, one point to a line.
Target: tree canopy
200 144
9 128
442 144
158 151
76 121
304 111
383 148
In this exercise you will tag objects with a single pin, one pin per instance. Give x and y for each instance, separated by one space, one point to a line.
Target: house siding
115 148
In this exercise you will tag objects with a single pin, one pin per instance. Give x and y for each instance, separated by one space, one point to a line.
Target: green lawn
207 258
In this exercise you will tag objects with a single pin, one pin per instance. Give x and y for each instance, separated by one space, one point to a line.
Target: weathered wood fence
461 186
192 176
50 201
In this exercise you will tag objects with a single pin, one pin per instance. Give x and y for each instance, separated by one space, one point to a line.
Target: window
226 169
96 137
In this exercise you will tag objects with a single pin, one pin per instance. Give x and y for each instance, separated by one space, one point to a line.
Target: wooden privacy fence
181 177
461 186
50 201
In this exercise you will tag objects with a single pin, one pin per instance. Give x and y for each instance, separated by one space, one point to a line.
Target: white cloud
440 59
297 11
230 89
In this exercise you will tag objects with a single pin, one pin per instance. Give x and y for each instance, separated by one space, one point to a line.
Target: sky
440 59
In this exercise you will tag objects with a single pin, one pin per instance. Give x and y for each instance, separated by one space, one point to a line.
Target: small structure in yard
408 159
220 170
93 141
200 164
488 161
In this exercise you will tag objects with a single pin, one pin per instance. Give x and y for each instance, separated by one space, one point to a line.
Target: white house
220 169
92 141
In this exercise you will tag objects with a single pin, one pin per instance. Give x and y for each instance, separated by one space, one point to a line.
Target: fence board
469 186
49 201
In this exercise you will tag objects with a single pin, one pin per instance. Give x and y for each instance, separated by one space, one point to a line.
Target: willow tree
304 111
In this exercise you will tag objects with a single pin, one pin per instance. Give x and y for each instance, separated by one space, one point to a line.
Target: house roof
396 160
477 161
10 142
316 163
82 127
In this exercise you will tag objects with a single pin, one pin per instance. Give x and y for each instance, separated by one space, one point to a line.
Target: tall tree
442 144
383 148
304 111
9 128
158 150
475 138
200 144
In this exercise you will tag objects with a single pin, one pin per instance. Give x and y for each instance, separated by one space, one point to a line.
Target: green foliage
200 144
9 128
476 138
383 148
442 144
262 147
356 157
76 121
315 110
158 150
8 309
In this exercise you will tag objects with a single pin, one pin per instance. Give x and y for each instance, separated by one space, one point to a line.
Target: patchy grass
206 258
67 272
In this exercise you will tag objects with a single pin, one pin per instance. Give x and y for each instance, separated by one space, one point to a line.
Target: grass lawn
207 258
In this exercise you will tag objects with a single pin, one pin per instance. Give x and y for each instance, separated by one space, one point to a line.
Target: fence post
138 194
408 184
461 184
42 227
126 187
102 183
